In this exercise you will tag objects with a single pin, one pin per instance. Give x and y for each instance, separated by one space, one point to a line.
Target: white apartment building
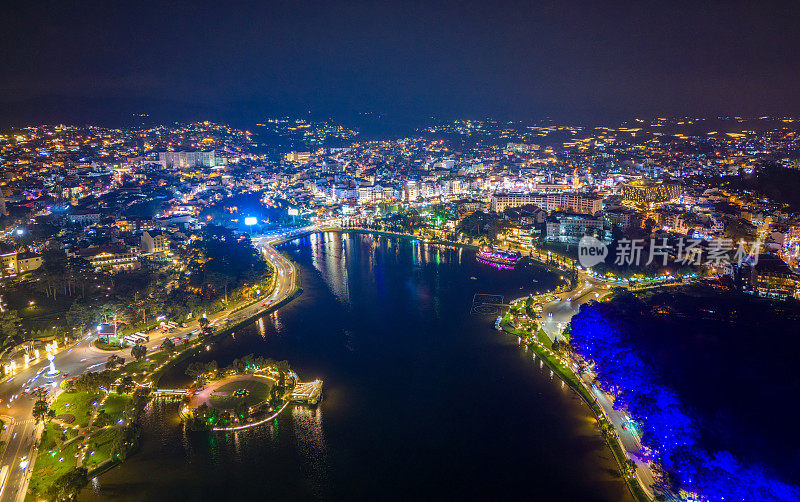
183 160
154 244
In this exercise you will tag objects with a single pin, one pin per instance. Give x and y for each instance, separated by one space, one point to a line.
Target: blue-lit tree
666 427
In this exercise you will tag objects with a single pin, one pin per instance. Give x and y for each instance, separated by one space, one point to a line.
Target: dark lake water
422 399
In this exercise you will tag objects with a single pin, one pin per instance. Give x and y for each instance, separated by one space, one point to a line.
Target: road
15 408
557 313
629 440
555 316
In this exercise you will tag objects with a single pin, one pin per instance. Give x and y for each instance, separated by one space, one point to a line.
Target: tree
195 369
80 269
139 351
211 368
78 315
204 417
125 442
282 367
68 485
204 322
125 385
93 381
562 348
102 419
54 263
41 411
239 366
114 361
242 412
168 345
9 324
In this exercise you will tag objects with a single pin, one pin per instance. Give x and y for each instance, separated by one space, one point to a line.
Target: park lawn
115 405
544 339
102 444
148 364
50 465
257 392
77 404
53 435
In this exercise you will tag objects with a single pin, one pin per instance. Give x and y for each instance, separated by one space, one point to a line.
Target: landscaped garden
234 394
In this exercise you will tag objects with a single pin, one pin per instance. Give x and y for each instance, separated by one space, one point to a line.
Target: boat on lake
501 258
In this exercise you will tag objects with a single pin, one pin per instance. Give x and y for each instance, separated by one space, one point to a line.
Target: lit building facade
572 202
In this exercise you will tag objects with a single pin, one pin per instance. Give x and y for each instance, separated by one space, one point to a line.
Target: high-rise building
183 160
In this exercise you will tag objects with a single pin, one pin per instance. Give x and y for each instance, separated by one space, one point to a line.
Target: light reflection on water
421 400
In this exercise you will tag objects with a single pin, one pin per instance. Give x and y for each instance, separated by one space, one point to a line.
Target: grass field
544 339
54 435
148 364
256 392
115 404
50 465
106 346
102 444
76 403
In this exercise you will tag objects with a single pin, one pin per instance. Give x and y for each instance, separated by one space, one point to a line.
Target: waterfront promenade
557 311
23 435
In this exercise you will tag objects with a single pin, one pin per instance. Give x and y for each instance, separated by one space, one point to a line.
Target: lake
423 399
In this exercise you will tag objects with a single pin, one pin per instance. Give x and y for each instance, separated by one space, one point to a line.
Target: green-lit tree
242 412
205 417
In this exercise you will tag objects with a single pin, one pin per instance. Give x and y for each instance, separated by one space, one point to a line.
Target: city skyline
418 250
571 61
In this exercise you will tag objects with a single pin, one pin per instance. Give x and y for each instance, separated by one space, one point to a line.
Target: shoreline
567 375
635 486
196 347
361 230
545 354
549 357
296 291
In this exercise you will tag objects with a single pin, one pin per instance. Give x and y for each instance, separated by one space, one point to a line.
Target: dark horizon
569 61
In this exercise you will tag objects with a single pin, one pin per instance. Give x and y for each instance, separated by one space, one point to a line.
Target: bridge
170 392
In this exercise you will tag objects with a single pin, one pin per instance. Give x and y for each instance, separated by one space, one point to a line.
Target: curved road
555 316
21 434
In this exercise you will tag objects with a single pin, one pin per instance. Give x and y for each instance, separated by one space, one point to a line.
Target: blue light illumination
667 429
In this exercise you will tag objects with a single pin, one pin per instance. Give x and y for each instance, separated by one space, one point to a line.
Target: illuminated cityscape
336 252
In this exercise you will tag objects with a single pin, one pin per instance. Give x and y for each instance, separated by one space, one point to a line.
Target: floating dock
308 392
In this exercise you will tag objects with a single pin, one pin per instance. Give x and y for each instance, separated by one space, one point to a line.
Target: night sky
242 61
